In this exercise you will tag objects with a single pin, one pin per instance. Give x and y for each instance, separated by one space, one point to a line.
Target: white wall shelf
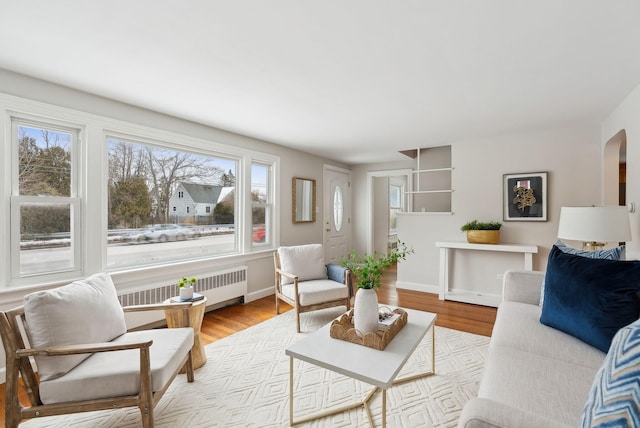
475 297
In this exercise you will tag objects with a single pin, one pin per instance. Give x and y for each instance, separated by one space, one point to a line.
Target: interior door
337 214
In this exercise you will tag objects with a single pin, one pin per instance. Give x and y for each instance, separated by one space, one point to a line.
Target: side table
196 314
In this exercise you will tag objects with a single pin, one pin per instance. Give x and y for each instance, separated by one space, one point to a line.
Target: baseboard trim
265 292
416 286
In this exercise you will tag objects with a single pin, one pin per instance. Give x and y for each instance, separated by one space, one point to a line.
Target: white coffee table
378 368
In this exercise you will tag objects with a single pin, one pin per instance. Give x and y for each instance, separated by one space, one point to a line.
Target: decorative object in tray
342 328
368 270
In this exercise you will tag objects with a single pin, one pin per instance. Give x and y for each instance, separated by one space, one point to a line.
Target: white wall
627 117
571 156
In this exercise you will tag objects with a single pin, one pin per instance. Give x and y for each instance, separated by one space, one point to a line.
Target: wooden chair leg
12 415
297 320
146 393
188 368
277 305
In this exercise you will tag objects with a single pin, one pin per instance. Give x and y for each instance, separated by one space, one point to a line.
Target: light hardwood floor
225 321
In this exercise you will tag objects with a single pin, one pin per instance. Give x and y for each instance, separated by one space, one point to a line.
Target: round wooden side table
196 314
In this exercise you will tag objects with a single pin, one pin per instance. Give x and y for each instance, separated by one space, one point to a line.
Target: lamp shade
595 224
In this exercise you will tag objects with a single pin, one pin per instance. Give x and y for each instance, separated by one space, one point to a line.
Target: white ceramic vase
186 293
365 311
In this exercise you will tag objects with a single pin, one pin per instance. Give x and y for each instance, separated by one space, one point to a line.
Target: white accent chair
85 358
306 283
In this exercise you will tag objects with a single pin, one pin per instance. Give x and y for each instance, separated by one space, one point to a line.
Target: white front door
337 213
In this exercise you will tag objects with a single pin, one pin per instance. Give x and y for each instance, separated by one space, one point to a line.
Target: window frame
74 200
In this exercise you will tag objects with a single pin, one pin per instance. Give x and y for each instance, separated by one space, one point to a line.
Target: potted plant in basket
482 232
368 271
185 287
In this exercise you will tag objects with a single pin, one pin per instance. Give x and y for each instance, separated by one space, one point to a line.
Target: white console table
468 297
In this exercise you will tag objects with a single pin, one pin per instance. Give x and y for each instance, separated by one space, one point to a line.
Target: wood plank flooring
223 322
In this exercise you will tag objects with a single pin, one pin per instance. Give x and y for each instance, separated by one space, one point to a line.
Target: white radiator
218 287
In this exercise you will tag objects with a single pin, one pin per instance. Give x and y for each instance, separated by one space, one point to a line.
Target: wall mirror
304 200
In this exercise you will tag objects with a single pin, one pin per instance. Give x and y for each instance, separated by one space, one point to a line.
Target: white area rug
245 383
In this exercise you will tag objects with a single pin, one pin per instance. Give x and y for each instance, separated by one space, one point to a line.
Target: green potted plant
368 271
185 287
482 232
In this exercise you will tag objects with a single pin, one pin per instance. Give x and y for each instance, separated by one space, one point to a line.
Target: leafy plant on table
186 282
368 269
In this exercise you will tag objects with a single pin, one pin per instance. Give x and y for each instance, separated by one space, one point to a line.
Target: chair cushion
114 374
614 399
86 311
317 291
590 299
305 261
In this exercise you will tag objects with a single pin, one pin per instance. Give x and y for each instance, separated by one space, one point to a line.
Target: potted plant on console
482 232
368 271
185 287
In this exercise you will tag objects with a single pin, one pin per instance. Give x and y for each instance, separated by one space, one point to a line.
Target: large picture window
166 204
91 194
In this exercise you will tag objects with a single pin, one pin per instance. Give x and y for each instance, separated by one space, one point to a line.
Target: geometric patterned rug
245 383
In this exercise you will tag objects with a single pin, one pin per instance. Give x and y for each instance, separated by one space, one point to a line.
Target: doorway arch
614 170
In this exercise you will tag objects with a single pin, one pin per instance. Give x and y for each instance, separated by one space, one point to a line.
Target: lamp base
592 246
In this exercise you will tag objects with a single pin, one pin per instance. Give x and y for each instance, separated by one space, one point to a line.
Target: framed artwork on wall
525 197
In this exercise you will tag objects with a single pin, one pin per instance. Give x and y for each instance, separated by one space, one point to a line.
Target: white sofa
535 375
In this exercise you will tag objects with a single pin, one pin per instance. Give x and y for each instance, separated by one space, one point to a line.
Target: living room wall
571 155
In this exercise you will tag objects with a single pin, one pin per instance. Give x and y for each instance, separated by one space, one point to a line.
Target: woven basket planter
483 236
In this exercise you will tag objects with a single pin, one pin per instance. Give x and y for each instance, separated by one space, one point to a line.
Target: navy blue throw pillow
590 299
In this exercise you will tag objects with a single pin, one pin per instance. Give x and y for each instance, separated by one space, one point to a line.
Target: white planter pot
365 311
186 293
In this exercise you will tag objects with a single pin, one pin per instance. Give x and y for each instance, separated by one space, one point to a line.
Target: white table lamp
594 226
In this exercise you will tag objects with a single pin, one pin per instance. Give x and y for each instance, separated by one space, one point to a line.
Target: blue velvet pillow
590 299
617 253
614 400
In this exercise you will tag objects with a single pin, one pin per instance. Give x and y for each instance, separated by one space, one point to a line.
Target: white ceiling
356 80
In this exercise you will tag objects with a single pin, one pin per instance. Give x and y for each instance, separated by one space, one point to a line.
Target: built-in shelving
433 169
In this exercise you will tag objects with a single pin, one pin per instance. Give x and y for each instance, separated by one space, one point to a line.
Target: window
86 194
261 204
45 207
395 206
338 208
144 181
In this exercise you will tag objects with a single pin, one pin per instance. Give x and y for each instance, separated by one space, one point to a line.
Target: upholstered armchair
84 356
306 283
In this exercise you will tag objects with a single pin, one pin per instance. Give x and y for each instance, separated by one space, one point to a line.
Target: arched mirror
304 200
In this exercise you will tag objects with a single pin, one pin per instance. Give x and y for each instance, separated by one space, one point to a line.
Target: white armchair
85 358
306 283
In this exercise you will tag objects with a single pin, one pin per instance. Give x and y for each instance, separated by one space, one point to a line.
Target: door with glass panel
337 213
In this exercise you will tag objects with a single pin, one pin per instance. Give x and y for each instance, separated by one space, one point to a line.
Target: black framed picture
525 197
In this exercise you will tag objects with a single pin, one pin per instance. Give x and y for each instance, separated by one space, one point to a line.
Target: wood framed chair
304 281
85 358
